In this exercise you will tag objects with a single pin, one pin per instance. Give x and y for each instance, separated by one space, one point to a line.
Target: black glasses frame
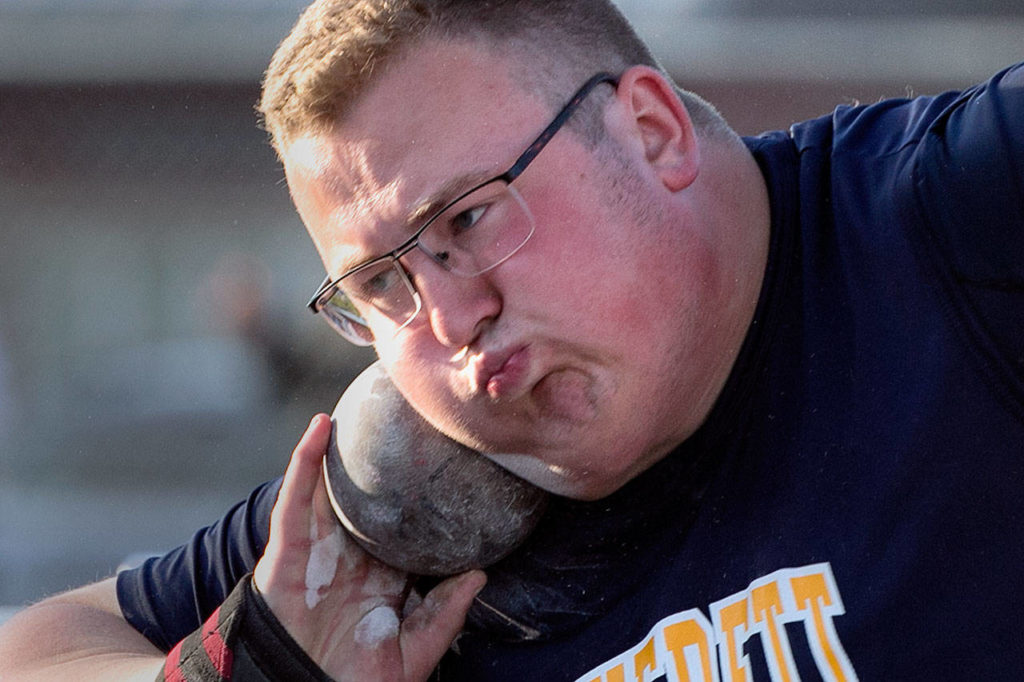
508 176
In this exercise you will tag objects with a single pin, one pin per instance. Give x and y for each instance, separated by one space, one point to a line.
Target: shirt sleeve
168 597
968 176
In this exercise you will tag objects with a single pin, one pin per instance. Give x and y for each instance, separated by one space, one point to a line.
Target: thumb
429 630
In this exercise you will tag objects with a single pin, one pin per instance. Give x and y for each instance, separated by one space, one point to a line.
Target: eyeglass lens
467 238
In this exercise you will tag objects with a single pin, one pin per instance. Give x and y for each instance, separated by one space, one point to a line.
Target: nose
458 308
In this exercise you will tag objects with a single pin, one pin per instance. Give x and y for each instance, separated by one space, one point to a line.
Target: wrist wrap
241 641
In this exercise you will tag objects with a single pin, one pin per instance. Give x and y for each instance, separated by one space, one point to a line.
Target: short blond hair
337 46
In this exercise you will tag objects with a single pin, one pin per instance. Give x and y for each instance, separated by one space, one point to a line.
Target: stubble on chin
567 395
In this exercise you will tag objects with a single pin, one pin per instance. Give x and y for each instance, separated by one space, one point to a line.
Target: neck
734 199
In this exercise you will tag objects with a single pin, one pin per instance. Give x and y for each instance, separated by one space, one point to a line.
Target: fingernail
481 578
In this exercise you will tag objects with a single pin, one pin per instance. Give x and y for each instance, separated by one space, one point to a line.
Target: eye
373 286
465 220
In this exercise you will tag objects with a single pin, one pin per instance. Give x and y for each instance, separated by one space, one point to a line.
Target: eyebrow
429 205
350 262
454 187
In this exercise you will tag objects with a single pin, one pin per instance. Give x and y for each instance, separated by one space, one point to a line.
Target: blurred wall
157 358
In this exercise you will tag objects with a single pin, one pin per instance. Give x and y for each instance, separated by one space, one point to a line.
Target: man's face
572 363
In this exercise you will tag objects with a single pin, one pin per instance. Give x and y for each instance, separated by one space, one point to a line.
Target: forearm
273 632
76 636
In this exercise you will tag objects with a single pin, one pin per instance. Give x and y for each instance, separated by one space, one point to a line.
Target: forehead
440 113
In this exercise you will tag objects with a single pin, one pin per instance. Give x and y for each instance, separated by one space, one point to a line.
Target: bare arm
346 610
77 635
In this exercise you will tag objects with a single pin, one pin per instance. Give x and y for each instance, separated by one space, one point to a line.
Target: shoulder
969 180
952 164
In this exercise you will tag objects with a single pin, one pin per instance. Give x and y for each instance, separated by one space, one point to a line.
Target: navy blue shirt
852 507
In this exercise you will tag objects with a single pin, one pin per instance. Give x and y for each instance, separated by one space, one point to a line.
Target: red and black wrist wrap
241 641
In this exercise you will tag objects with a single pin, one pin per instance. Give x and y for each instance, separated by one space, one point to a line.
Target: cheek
408 368
419 372
586 272
566 263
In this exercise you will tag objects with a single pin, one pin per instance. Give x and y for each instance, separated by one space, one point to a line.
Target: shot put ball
414 498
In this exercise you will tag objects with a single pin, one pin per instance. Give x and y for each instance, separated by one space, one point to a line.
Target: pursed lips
502 374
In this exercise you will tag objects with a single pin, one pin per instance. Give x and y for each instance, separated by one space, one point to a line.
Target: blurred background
156 358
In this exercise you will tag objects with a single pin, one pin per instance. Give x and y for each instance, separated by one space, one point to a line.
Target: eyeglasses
476 232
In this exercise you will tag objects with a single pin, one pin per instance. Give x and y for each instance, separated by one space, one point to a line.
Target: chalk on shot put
414 498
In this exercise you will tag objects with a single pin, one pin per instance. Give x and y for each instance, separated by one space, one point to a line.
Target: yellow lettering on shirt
682 646
768 607
815 592
645 662
689 635
731 625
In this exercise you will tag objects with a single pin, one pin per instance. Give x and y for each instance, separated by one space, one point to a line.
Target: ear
661 124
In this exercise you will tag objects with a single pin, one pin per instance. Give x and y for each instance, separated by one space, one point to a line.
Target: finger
289 520
302 476
430 629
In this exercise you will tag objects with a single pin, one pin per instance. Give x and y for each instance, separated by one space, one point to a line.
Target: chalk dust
376 627
323 562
